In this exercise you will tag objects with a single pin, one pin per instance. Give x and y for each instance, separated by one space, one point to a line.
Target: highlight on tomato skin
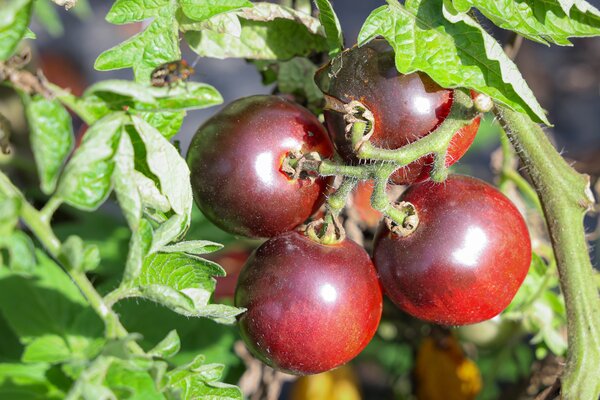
405 107
235 160
310 307
465 261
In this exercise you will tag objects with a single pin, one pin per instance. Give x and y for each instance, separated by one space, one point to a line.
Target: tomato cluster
311 307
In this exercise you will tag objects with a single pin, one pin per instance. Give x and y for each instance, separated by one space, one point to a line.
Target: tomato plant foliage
66 335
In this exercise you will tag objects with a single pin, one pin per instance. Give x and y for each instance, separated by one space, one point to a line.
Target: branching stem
461 114
565 198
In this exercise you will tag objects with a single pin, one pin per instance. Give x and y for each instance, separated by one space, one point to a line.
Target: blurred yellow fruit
444 373
339 384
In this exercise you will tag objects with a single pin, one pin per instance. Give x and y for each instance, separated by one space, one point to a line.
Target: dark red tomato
465 261
232 260
310 307
405 107
236 159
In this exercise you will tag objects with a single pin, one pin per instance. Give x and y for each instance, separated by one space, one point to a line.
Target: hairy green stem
508 173
50 208
461 114
337 201
380 202
565 197
330 168
119 294
40 227
440 170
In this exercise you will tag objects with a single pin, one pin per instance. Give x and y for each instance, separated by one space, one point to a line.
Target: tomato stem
565 197
337 200
461 114
402 218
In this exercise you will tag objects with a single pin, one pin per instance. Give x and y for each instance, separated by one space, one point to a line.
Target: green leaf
292 78
221 23
21 252
540 21
10 208
86 182
172 230
454 51
78 255
192 96
47 16
168 297
160 107
156 45
126 11
89 384
265 12
180 271
555 341
215 342
303 6
139 245
103 230
199 10
128 380
198 381
184 283
29 34
49 313
268 32
168 347
166 163
159 43
194 247
130 89
167 123
14 19
51 138
11 348
90 108
27 382
580 5
124 183
332 27
151 196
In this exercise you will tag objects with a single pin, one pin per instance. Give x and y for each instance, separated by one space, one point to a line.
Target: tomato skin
361 203
235 160
405 107
232 260
310 307
465 261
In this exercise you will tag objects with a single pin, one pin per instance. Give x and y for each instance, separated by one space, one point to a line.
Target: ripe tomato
236 159
310 307
465 261
361 203
232 260
405 107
